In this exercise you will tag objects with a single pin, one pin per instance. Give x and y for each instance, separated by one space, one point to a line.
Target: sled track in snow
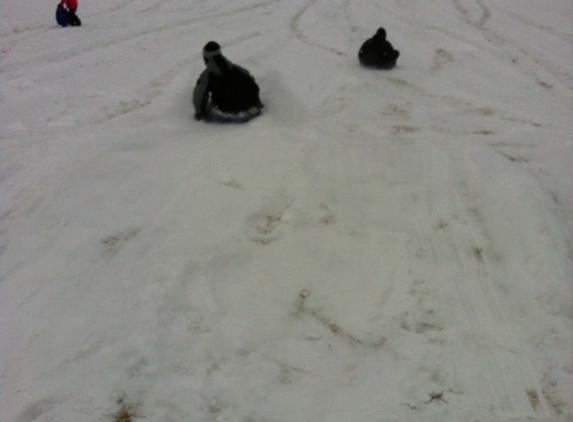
481 21
528 22
455 238
480 24
295 26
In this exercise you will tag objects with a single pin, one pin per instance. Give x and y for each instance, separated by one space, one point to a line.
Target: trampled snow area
376 247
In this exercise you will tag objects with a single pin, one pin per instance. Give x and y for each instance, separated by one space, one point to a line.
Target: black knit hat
211 50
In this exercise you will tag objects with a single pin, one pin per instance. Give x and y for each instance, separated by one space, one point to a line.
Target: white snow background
377 247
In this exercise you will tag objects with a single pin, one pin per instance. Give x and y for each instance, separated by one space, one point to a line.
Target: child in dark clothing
225 91
378 52
71 6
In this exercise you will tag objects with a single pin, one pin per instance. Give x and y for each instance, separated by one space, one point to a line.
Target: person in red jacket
72 6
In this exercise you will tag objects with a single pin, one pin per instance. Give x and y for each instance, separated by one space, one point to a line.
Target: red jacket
71 4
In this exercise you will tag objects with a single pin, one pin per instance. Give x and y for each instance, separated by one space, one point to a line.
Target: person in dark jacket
225 91
378 52
72 7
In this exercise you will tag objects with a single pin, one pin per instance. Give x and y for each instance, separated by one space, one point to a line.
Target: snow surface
377 247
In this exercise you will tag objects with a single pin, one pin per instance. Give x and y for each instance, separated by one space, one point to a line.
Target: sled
62 15
384 66
217 116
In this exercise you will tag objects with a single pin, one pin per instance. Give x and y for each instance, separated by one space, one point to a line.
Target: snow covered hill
377 247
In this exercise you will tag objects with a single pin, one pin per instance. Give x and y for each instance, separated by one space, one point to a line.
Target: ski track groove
295 27
481 21
502 42
524 21
436 244
472 294
448 246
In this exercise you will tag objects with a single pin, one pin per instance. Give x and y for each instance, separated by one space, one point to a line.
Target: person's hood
215 64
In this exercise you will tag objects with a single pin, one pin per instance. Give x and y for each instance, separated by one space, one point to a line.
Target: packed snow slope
377 247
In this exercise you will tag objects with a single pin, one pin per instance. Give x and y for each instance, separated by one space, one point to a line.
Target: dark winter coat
226 86
72 7
378 52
